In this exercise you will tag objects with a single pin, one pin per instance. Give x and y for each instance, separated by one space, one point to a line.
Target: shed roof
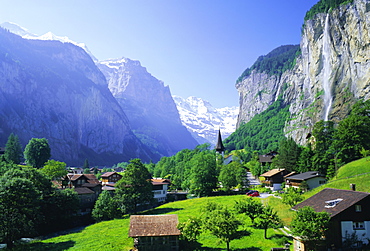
344 198
108 174
272 172
153 225
305 176
83 190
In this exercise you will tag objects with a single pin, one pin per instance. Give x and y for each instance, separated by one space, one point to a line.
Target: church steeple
219 146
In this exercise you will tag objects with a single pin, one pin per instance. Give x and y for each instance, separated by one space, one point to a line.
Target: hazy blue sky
197 47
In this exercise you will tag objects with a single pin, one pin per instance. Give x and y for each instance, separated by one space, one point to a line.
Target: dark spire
219 146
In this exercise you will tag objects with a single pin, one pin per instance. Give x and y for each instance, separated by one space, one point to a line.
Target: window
358 208
358 225
322 182
332 203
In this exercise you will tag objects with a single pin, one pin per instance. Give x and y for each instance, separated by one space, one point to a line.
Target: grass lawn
113 235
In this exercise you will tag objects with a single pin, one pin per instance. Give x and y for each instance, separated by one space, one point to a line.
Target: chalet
160 188
87 186
110 177
267 158
155 232
274 178
349 214
313 179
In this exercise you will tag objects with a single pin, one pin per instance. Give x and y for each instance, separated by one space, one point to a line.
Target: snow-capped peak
203 120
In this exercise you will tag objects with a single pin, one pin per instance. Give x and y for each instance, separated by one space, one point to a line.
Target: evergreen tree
13 150
288 156
353 133
86 164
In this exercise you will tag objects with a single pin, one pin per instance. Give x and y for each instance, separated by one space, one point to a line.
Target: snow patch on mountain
24 33
203 120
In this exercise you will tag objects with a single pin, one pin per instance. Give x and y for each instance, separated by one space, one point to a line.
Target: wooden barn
155 232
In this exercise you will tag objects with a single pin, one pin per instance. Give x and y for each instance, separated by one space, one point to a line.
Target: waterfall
328 97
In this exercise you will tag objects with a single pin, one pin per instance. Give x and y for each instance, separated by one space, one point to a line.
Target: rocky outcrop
53 90
149 106
340 56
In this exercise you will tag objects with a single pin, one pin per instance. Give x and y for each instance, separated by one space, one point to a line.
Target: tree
288 156
190 229
291 197
250 207
222 223
106 207
231 175
19 205
59 210
13 150
134 187
86 164
203 174
309 225
37 152
54 169
267 218
351 136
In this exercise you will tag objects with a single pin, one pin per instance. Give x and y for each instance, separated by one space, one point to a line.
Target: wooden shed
155 232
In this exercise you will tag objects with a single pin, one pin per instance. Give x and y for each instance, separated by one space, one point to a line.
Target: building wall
362 234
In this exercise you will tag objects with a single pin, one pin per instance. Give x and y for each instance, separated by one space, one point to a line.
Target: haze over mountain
151 111
148 104
53 90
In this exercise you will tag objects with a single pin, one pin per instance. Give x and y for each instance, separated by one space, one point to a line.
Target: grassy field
113 235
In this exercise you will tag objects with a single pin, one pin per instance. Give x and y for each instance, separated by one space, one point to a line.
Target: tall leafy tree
106 207
202 178
37 152
135 187
13 149
19 205
231 175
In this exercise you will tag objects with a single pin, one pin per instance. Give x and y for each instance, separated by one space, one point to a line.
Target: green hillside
356 172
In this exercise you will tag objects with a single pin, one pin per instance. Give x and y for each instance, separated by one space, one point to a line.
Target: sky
196 47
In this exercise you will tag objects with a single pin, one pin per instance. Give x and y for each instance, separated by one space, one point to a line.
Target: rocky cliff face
332 72
53 90
149 106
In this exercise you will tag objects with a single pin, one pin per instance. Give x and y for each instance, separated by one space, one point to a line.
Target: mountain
149 106
53 90
24 33
204 121
322 77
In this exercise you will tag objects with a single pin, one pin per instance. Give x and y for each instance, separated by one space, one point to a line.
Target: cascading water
328 98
